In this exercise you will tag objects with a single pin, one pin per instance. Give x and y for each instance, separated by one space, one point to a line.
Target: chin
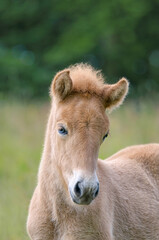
82 201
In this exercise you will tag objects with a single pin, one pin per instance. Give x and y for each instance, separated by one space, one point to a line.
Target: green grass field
22 128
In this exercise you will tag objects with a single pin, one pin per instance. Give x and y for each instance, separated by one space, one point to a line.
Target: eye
62 131
106 135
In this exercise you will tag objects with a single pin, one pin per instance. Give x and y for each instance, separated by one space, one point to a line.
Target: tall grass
22 129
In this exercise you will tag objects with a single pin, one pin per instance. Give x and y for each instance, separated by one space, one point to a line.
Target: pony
78 196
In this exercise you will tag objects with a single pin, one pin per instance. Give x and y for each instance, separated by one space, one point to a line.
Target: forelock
86 79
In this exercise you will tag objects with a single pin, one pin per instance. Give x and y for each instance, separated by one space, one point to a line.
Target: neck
50 178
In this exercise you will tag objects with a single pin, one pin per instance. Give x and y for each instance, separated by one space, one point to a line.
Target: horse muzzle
83 192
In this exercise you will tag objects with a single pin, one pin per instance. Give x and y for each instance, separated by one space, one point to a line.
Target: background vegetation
38 38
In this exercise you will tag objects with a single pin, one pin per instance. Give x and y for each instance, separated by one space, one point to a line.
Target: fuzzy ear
114 94
62 85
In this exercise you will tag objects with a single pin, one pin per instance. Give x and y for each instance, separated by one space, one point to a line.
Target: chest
76 226
75 233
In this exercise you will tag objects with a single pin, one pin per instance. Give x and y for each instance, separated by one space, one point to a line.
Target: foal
78 196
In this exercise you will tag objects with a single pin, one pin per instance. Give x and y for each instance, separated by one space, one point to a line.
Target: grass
22 128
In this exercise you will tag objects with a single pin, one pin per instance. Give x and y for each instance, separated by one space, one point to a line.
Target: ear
114 94
62 85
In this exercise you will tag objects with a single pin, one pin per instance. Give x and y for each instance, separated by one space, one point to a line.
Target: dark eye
106 135
62 131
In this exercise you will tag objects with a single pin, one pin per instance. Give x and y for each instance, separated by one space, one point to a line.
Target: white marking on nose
83 187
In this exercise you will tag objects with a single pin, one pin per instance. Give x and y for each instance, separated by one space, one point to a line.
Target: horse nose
84 189
78 189
96 191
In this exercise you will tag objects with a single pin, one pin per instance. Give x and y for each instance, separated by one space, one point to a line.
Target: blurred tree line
38 38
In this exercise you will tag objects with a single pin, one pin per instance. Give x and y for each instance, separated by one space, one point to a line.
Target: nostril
97 191
77 189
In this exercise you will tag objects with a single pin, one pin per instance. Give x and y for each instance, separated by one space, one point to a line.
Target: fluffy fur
83 78
127 206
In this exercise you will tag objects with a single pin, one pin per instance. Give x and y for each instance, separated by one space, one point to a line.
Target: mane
86 79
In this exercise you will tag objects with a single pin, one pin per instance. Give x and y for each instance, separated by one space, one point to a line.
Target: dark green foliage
38 38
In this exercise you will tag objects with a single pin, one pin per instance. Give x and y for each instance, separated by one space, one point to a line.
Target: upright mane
86 79
83 78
